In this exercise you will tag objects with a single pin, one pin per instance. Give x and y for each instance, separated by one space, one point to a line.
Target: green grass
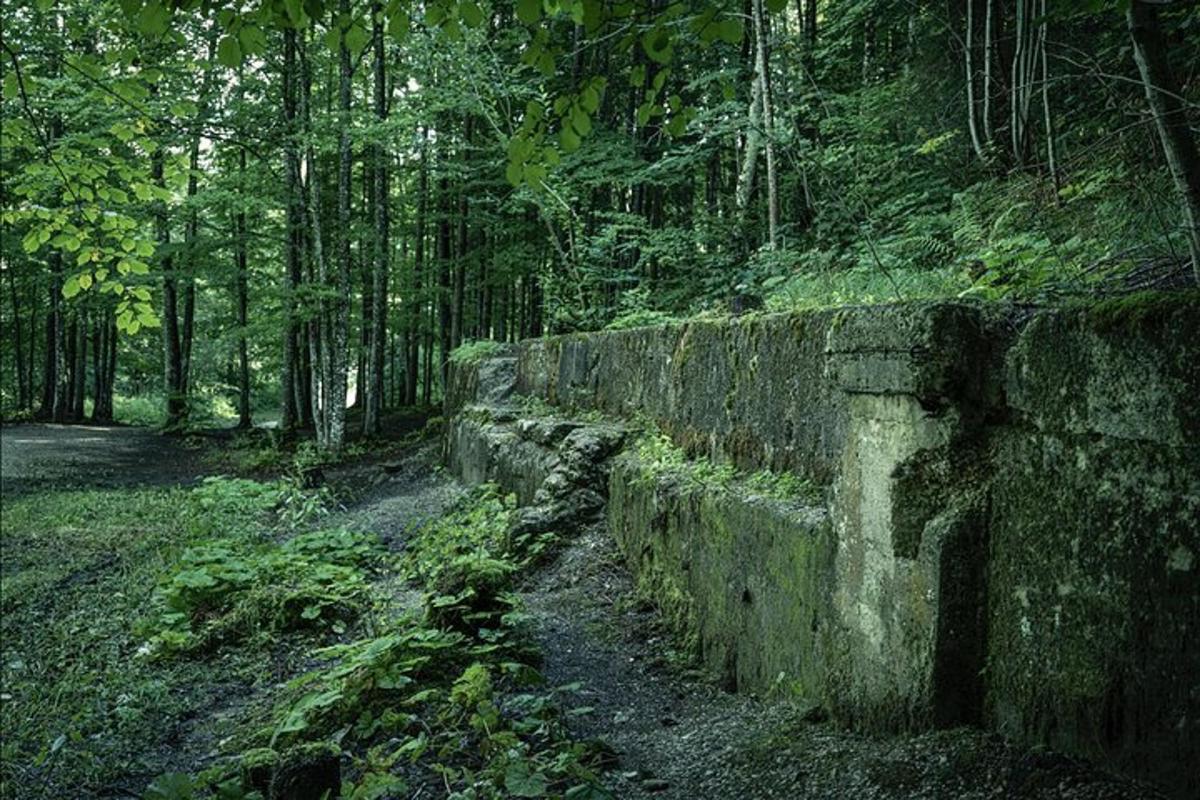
658 455
83 706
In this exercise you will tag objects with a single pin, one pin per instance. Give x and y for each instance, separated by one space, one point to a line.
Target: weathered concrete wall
745 578
1094 556
1010 527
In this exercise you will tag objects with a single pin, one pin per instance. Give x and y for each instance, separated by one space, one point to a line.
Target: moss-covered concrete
743 579
1010 533
1094 559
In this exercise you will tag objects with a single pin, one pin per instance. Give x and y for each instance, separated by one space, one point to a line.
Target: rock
655 785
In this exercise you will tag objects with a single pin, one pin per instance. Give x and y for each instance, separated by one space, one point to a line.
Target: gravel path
35 457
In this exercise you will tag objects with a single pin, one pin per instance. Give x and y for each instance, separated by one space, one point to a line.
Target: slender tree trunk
382 246
1047 117
341 301
763 67
968 53
1170 117
172 353
988 39
445 309
18 349
753 142
415 313
79 369
427 371
294 220
103 355
71 361
31 360
317 352
242 292
1024 72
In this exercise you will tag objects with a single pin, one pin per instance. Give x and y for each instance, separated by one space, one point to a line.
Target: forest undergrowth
236 639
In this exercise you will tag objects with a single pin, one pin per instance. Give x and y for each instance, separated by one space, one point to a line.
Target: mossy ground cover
234 640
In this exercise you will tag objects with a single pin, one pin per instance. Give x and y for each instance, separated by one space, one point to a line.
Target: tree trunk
317 327
71 359
104 347
1047 117
415 312
172 353
242 291
968 57
763 68
1170 117
445 324
18 350
753 143
988 38
340 322
373 408
79 370
292 233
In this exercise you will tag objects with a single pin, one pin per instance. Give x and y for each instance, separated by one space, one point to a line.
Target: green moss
1132 311
473 352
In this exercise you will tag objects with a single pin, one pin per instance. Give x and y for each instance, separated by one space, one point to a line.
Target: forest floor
83 717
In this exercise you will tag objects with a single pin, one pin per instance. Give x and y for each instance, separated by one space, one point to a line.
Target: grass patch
657 455
83 712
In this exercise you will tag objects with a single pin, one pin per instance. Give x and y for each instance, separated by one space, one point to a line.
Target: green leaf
520 782
71 287
171 786
513 173
154 19
357 39
252 40
581 122
589 100
471 14
398 24
333 39
569 139
85 281
11 88
229 53
730 30
657 44
529 11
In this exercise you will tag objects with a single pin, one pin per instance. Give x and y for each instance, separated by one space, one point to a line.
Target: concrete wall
1009 533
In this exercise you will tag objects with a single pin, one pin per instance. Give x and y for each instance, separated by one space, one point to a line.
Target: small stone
655 785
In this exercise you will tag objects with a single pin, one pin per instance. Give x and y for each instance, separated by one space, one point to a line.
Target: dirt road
35 457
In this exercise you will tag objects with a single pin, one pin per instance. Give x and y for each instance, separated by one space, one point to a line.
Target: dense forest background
245 209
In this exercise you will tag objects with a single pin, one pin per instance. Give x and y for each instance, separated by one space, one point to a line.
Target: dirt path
36 457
